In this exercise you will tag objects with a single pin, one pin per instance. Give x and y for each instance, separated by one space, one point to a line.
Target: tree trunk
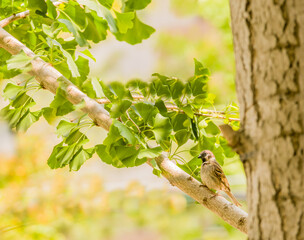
269 52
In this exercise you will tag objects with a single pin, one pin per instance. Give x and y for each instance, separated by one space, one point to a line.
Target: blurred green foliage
208 38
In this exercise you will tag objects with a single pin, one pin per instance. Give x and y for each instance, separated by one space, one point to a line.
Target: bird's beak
200 156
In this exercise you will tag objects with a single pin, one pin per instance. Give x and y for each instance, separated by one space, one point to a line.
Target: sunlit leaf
124 21
19 61
150 152
125 132
137 33
80 157
131 5
162 128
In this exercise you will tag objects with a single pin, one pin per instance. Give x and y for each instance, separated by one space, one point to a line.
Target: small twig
210 113
214 114
105 100
173 107
20 15
132 121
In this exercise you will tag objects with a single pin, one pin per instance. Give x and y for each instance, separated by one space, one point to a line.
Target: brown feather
218 171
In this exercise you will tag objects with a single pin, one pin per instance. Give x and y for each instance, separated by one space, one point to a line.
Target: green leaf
72 27
65 155
192 167
188 110
19 61
180 122
64 128
203 124
89 54
199 86
83 68
11 90
113 136
139 32
219 154
212 129
145 111
103 154
200 99
159 88
162 128
182 136
75 136
4 72
161 107
106 3
101 11
127 155
61 105
51 9
27 120
208 143
157 172
177 89
229 153
131 5
75 13
137 84
70 61
194 129
125 132
96 29
97 87
80 157
87 88
118 89
107 92
150 152
200 69
52 161
156 169
49 114
120 108
22 99
39 5
124 21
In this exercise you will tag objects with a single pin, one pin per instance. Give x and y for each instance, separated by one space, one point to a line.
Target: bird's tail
236 202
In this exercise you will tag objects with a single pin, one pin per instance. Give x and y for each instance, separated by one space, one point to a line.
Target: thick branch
230 213
47 76
230 135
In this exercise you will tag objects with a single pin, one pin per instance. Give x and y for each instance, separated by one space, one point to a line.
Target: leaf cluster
148 117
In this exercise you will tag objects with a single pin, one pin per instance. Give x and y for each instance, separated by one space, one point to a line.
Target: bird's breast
209 178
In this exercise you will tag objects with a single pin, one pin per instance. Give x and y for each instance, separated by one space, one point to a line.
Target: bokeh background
99 201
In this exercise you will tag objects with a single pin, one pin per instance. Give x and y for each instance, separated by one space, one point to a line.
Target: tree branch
230 213
209 113
47 76
17 16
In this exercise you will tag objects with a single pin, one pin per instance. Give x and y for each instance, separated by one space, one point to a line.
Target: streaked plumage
213 176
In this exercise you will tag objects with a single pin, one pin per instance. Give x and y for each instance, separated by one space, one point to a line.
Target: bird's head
206 155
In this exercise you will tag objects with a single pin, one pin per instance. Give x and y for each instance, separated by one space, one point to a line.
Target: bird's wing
221 175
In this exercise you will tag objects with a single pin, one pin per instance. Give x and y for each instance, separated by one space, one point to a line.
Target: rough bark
47 76
269 52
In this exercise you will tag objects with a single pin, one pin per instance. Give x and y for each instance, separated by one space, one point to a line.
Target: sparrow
213 176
